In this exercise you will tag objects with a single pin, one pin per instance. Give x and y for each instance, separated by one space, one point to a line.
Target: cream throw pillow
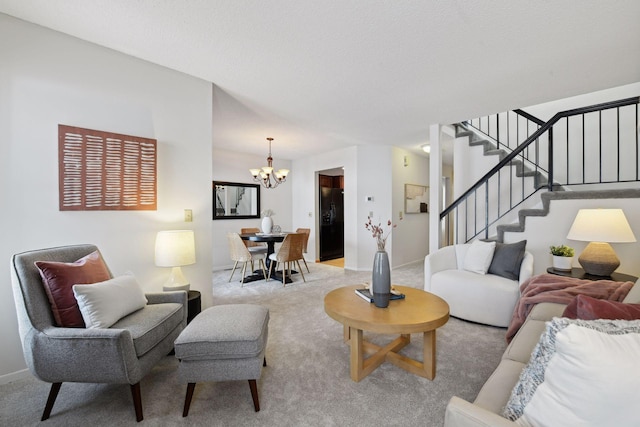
479 256
104 303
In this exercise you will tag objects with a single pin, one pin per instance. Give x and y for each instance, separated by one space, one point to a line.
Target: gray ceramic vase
381 279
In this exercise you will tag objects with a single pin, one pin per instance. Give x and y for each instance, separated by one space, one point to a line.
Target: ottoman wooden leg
254 394
187 399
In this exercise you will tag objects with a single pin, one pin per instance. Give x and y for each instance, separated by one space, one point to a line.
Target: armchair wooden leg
187 399
53 394
137 401
254 394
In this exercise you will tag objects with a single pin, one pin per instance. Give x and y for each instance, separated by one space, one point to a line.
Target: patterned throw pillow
580 373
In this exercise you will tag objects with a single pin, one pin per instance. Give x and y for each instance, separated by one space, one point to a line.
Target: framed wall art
105 171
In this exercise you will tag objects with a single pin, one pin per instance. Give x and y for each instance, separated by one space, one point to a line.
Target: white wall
234 167
375 179
305 199
46 79
367 172
542 232
411 236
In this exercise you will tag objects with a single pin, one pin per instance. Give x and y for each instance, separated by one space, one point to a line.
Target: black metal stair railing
597 144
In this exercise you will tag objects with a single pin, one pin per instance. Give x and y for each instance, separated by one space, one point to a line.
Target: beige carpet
306 382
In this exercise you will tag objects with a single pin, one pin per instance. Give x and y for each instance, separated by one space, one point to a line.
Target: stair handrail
545 127
529 116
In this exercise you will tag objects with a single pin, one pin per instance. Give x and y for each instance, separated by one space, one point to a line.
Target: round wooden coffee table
420 311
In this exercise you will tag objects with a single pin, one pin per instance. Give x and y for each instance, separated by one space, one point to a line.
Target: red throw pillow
588 308
58 279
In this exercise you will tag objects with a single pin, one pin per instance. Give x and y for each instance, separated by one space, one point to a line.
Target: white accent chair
482 298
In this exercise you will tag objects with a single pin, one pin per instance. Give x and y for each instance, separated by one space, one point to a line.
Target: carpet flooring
306 382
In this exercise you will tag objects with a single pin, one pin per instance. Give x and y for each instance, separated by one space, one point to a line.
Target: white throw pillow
104 303
580 373
479 256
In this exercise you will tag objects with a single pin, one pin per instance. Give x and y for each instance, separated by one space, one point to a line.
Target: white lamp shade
175 248
601 225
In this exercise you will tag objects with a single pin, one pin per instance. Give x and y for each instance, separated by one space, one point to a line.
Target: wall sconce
600 227
175 248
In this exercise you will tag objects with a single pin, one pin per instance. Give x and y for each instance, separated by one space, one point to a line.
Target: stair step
547 197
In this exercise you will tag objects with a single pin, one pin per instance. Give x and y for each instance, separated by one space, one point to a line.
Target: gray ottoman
223 343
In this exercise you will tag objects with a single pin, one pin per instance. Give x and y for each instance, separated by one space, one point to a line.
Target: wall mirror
416 198
233 200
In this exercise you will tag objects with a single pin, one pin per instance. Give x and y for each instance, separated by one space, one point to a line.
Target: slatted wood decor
106 171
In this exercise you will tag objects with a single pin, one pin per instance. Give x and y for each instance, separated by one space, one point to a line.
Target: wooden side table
578 273
193 305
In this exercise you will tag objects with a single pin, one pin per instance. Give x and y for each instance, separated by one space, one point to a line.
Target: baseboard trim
15 376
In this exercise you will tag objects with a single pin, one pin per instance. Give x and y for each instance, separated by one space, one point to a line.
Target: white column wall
411 236
374 180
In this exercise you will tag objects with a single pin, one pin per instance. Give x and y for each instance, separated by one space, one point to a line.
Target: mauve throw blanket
559 289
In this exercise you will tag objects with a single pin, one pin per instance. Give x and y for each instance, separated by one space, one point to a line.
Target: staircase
595 147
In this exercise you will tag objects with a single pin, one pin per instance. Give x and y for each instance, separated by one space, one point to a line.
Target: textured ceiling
318 75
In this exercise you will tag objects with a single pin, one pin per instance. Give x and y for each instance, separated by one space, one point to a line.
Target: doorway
331 214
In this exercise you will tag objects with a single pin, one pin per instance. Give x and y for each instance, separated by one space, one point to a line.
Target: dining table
270 239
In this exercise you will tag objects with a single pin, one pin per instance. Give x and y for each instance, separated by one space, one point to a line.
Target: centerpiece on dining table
267 222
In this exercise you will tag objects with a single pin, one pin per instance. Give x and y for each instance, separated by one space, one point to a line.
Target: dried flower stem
378 232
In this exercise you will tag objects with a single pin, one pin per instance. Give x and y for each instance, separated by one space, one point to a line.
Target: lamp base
599 259
177 281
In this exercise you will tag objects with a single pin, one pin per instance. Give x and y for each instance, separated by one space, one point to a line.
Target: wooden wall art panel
106 171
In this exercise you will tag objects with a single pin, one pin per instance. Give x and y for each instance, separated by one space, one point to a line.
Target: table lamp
174 249
600 227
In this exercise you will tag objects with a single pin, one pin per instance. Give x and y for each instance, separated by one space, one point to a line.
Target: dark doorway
331 216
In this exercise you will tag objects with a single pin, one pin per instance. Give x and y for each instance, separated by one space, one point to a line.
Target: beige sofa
486 409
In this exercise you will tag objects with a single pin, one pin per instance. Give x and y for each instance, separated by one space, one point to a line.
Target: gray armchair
123 353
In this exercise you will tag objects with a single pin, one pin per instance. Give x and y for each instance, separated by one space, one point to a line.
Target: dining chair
290 251
240 253
256 248
306 232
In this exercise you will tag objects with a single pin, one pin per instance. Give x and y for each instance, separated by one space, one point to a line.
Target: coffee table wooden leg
361 367
429 351
357 354
346 334
426 368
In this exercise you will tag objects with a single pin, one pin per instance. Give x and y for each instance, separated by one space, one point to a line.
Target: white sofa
483 298
494 395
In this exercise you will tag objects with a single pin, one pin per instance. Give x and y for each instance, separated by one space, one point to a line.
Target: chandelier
265 174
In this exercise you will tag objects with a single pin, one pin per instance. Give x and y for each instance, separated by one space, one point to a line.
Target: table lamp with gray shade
175 248
600 227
